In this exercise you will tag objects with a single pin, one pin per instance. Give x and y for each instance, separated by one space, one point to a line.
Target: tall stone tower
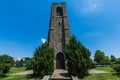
59 33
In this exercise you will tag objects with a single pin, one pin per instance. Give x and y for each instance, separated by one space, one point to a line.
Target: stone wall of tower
59 31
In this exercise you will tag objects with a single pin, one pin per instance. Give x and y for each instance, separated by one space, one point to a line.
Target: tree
19 63
92 64
99 56
118 61
6 59
106 60
25 62
28 63
6 62
78 58
43 60
113 58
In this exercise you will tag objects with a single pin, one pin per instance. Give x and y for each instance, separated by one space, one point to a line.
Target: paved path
92 71
24 73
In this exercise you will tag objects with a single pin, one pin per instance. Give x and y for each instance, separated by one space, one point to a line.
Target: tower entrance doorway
60 62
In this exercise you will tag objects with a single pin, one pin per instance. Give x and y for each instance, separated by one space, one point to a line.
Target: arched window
59 11
59 23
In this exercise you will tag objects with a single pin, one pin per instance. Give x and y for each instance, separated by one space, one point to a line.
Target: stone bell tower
59 33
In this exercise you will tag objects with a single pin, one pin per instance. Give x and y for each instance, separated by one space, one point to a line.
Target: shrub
29 65
43 61
78 58
1 70
92 64
118 61
116 67
6 63
4 68
19 63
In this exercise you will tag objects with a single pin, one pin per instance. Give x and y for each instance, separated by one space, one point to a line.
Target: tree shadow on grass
3 76
116 74
30 76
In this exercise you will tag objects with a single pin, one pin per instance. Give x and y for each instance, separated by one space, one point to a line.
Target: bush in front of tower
43 61
78 58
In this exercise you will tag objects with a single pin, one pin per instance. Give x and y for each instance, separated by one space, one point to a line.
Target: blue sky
23 23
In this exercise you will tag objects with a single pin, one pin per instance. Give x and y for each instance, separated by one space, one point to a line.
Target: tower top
58 10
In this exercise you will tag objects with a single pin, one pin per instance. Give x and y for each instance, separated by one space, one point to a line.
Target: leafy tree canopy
6 59
113 58
106 60
99 56
6 62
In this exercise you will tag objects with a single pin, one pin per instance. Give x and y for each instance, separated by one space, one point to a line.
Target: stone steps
60 74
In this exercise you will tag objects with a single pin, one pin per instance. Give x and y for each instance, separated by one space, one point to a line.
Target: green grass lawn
17 77
111 75
16 70
105 76
106 68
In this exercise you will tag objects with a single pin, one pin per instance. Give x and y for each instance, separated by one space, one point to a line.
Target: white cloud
86 6
91 6
43 40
